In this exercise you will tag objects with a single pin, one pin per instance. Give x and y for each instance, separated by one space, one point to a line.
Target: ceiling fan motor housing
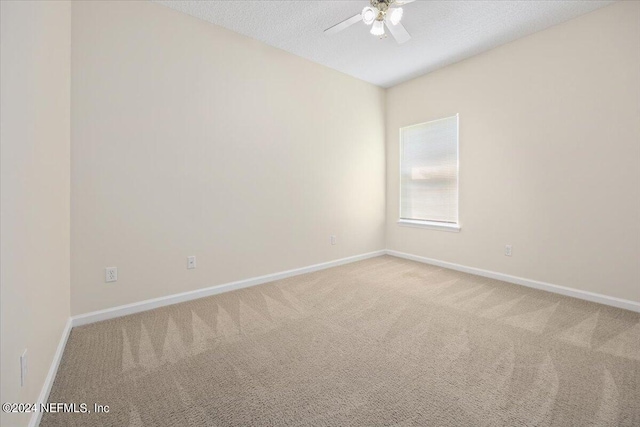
381 5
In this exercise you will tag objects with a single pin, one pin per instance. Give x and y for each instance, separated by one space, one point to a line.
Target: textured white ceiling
443 32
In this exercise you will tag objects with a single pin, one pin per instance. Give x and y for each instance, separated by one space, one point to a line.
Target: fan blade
398 32
344 24
402 2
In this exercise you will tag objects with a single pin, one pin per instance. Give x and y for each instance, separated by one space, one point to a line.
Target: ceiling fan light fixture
378 14
369 15
395 15
378 28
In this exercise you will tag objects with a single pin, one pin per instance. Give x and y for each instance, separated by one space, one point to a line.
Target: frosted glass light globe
396 15
369 15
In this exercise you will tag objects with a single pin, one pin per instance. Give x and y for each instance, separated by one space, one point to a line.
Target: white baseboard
150 304
562 290
51 375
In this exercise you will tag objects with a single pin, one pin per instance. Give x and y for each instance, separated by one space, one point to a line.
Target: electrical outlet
333 240
111 274
507 250
191 262
23 368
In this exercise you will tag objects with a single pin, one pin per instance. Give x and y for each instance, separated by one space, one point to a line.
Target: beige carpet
378 342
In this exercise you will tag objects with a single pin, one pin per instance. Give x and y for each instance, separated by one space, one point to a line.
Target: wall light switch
333 240
507 250
191 262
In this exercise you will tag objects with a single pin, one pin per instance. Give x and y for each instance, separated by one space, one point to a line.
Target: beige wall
549 155
189 139
35 70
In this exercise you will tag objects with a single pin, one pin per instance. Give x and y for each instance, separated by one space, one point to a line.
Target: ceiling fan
381 13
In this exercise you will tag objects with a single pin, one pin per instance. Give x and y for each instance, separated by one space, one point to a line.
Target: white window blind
429 172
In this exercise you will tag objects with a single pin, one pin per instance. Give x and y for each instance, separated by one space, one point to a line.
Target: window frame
420 223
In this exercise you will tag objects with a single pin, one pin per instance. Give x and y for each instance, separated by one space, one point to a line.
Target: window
429 174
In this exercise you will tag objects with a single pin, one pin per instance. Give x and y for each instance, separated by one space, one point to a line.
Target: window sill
443 226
